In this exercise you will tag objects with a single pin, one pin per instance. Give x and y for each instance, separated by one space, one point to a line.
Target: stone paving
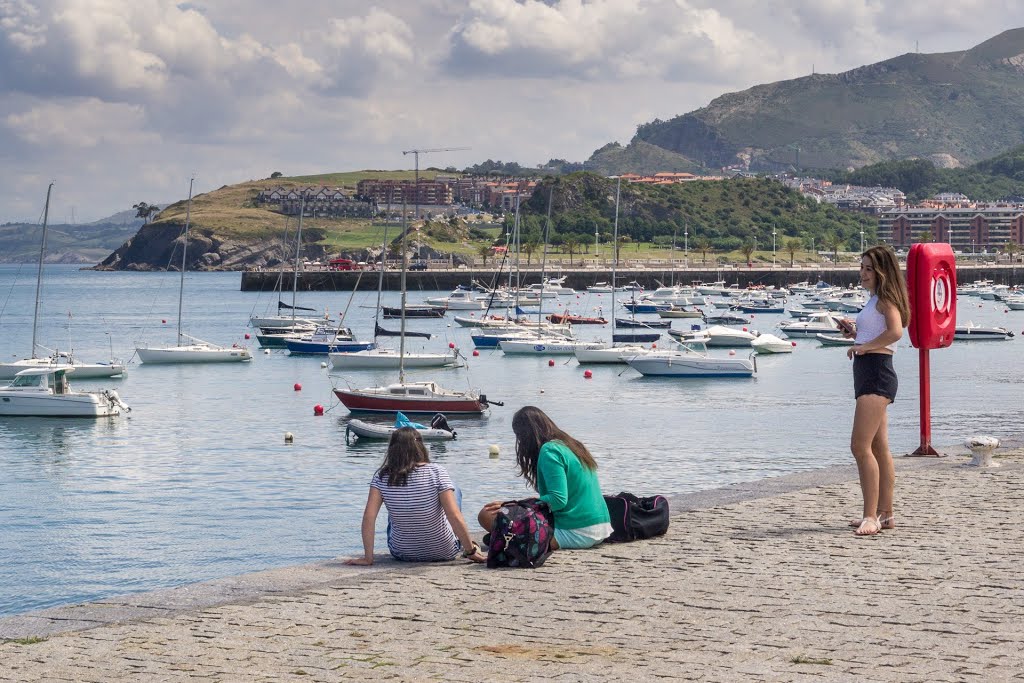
761 582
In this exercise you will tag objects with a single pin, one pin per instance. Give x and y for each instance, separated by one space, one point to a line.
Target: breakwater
580 278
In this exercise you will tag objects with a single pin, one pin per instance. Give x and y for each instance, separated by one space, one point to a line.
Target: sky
122 101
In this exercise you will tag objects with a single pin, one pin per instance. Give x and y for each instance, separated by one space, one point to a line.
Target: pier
651 276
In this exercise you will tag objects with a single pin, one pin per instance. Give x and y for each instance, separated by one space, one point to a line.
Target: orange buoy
318 409
475 352
551 363
587 374
297 387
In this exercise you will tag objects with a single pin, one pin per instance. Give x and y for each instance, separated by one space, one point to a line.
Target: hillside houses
319 201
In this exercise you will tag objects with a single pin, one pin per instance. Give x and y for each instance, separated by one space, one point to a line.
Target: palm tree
833 242
483 251
747 249
792 245
529 246
1011 248
570 243
703 245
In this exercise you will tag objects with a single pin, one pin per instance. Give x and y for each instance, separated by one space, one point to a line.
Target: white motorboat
972 332
716 335
689 362
609 354
769 343
459 300
188 349
390 359
687 310
45 392
1014 302
819 322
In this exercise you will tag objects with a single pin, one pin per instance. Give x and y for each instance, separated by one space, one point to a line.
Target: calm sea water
198 482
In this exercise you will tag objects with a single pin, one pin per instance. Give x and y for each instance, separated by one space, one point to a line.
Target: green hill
952 108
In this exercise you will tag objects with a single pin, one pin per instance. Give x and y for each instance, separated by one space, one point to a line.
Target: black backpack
634 518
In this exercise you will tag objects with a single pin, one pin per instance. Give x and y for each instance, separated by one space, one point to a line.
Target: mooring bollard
982 448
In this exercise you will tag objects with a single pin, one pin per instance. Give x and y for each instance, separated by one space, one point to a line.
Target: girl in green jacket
564 473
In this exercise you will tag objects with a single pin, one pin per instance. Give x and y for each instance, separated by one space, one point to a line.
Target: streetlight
862 240
773 245
686 245
597 244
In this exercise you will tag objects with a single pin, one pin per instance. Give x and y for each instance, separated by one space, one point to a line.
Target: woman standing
879 327
564 474
424 521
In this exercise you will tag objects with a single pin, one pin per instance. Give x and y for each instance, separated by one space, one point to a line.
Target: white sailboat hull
609 354
192 353
389 359
545 346
82 370
690 365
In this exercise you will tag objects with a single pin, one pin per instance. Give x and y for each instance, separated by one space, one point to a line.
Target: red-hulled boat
413 397
571 318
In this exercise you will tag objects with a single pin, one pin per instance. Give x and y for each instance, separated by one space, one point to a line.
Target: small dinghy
833 340
437 431
769 343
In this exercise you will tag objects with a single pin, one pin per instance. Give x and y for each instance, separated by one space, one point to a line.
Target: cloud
83 123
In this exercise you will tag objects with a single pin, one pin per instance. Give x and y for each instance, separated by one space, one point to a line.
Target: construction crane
416 155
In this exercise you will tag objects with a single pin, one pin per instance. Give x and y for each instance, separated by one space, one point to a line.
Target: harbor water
198 482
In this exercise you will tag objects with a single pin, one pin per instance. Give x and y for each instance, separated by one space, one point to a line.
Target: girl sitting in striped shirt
424 520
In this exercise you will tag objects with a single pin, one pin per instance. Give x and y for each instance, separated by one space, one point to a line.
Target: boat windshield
28 381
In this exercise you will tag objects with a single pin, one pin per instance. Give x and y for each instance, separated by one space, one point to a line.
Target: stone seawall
580 279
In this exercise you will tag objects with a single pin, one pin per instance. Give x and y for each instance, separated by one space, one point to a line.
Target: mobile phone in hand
846 326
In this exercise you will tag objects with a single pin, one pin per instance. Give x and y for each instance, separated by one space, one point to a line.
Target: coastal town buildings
967 227
317 201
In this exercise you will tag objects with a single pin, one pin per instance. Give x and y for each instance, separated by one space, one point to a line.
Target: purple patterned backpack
521 536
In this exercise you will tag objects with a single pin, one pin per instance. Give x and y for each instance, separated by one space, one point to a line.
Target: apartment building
965 228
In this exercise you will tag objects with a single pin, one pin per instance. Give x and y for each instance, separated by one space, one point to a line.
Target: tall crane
416 155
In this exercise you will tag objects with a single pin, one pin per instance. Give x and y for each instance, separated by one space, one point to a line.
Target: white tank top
871 323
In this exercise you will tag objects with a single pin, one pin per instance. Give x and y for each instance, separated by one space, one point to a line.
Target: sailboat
56 359
190 349
412 397
539 343
613 353
384 358
274 328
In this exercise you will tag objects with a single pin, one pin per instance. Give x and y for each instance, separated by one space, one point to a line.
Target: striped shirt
418 528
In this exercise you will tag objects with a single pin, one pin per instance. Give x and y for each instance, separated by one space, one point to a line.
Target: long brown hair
891 287
405 452
533 428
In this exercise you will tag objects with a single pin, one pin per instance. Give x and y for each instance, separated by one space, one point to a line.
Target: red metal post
924 373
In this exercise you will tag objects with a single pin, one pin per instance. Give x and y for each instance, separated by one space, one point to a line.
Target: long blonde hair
891 287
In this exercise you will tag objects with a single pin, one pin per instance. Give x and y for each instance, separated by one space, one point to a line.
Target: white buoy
323 365
493 450
289 437
266 352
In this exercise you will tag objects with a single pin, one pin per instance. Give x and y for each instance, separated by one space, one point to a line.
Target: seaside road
761 582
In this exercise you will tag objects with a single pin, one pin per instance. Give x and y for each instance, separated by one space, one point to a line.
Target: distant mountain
953 109
87 243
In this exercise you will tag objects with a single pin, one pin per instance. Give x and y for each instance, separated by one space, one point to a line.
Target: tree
747 249
1010 249
144 210
571 243
618 247
924 236
276 174
529 246
833 242
792 245
703 245
483 251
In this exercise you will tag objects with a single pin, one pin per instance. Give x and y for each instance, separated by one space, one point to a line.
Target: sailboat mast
544 258
298 251
401 328
615 250
380 281
39 275
184 251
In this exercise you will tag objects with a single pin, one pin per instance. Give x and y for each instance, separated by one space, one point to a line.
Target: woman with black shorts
879 327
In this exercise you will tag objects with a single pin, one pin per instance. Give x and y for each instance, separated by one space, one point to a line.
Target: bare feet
869 526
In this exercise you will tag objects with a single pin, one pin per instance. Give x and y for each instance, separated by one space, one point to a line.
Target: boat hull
369 430
544 347
82 370
682 365
193 354
298 347
377 359
361 401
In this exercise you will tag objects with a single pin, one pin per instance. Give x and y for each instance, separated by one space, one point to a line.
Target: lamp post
597 243
686 245
862 240
773 245
812 248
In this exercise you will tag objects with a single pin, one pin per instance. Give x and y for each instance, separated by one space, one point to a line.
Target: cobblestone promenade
763 582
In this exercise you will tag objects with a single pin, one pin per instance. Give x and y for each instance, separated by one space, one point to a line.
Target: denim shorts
873 374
